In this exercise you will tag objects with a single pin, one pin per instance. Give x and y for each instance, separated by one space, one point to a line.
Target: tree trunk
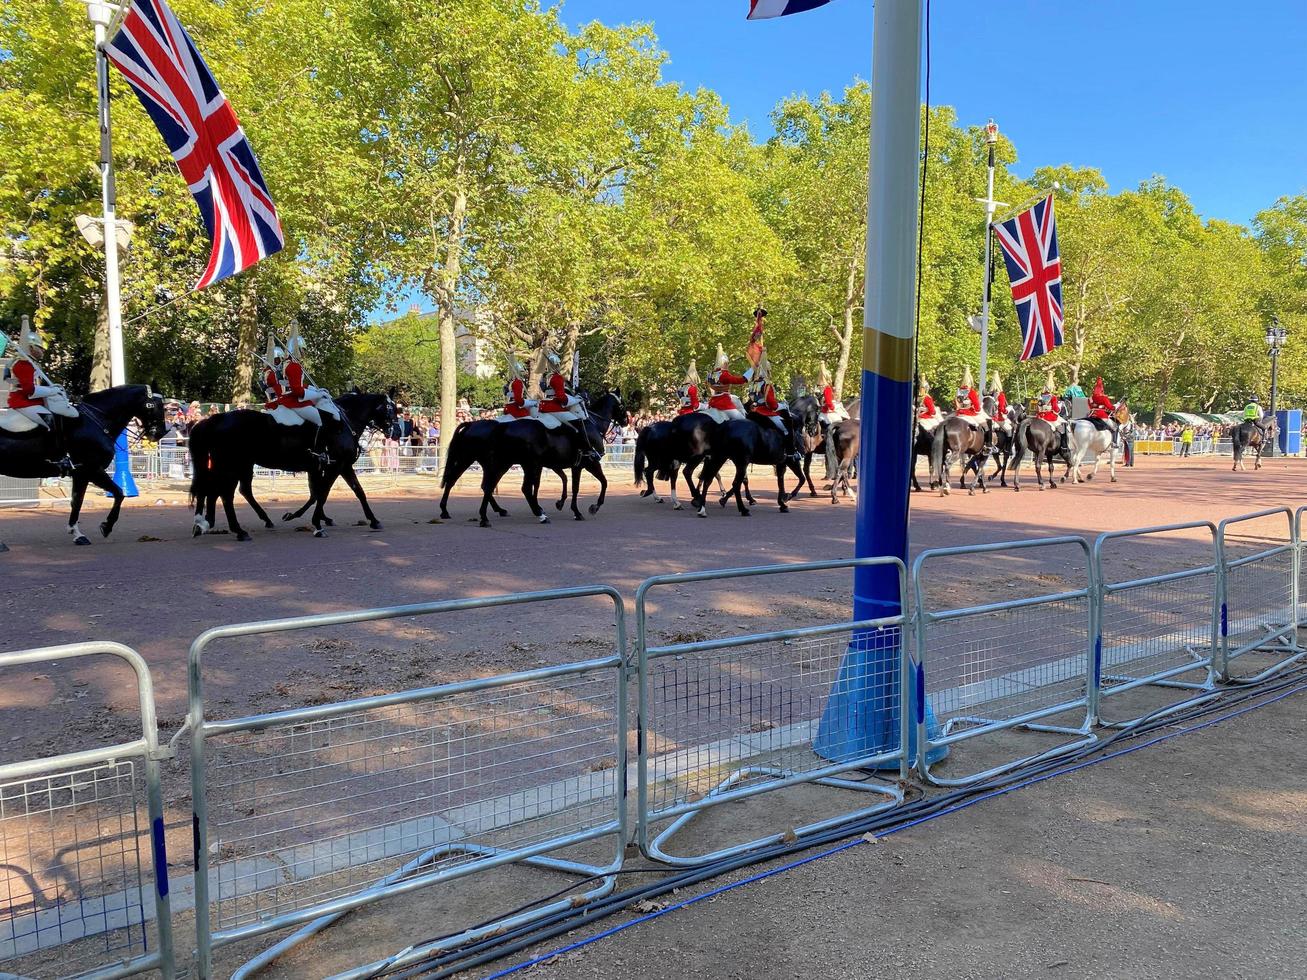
247 342
1166 384
852 295
101 376
446 294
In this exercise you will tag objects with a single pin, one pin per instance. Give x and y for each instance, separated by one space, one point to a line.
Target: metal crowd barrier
1259 596
72 872
302 815
728 718
1000 666
15 491
1154 630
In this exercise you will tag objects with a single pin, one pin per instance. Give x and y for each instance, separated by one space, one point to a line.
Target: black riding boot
587 448
63 461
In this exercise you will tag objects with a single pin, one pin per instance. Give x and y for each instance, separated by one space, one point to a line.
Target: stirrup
66 465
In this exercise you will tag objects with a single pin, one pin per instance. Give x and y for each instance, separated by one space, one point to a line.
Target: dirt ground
155 588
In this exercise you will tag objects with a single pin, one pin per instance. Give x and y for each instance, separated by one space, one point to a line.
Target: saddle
16 422
930 424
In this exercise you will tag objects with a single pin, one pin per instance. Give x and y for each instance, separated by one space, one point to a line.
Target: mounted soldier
766 404
929 415
996 392
33 401
724 404
292 398
516 405
688 393
832 414
560 405
1050 408
274 377
1102 412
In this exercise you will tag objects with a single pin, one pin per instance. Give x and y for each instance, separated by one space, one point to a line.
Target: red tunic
556 400
971 407
721 380
691 399
828 400
1100 406
272 388
1054 411
768 405
1002 403
293 397
23 372
516 404
927 408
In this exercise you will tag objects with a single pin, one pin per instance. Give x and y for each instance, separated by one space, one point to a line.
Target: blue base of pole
122 468
861 716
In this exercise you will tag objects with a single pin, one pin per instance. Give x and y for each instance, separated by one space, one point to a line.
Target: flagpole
991 140
861 714
101 16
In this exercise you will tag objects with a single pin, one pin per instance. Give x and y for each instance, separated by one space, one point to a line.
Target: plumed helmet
968 382
1098 386
925 386
692 374
514 367
823 374
722 360
763 371
1050 382
295 343
273 353
996 383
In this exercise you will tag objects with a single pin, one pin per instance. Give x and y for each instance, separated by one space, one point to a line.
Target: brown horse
959 438
1250 434
846 439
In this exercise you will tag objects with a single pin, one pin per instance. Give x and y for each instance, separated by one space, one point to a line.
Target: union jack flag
764 9
167 72
1029 243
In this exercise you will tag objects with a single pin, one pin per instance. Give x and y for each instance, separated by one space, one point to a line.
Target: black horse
1044 443
1005 431
664 447
922 442
225 448
380 417
809 436
744 442
89 441
529 444
471 445
1251 434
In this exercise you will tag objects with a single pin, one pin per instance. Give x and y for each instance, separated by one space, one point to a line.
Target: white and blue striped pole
861 716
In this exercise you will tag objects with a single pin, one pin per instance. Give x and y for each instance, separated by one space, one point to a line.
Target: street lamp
1276 335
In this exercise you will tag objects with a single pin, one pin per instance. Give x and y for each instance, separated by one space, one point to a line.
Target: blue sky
1211 95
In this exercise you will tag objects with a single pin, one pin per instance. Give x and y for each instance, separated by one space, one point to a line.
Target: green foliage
555 183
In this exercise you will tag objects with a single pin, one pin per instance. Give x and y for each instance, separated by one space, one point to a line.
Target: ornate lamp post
1276 336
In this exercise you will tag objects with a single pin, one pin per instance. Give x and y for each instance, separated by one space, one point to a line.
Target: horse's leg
576 489
1111 464
247 491
807 475
671 490
780 487
290 515
352 481
490 477
452 473
80 478
558 504
530 481
228 493
735 488
320 487
596 469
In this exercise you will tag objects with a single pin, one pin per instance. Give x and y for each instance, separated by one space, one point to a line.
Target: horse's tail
1019 443
937 455
640 442
200 462
448 471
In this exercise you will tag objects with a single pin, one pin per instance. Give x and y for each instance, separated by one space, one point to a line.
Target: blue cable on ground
1031 781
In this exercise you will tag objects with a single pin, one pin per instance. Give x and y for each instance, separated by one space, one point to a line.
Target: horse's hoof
375 525
106 529
646 493
578 517
677 507
1089 477
501 513
288 516
329 522
544 518
444 515
812 493
196 531
745 513
594 509
558 505
320 532
81 540
722 502
703 512
243 536
784 509
269 525
484 522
